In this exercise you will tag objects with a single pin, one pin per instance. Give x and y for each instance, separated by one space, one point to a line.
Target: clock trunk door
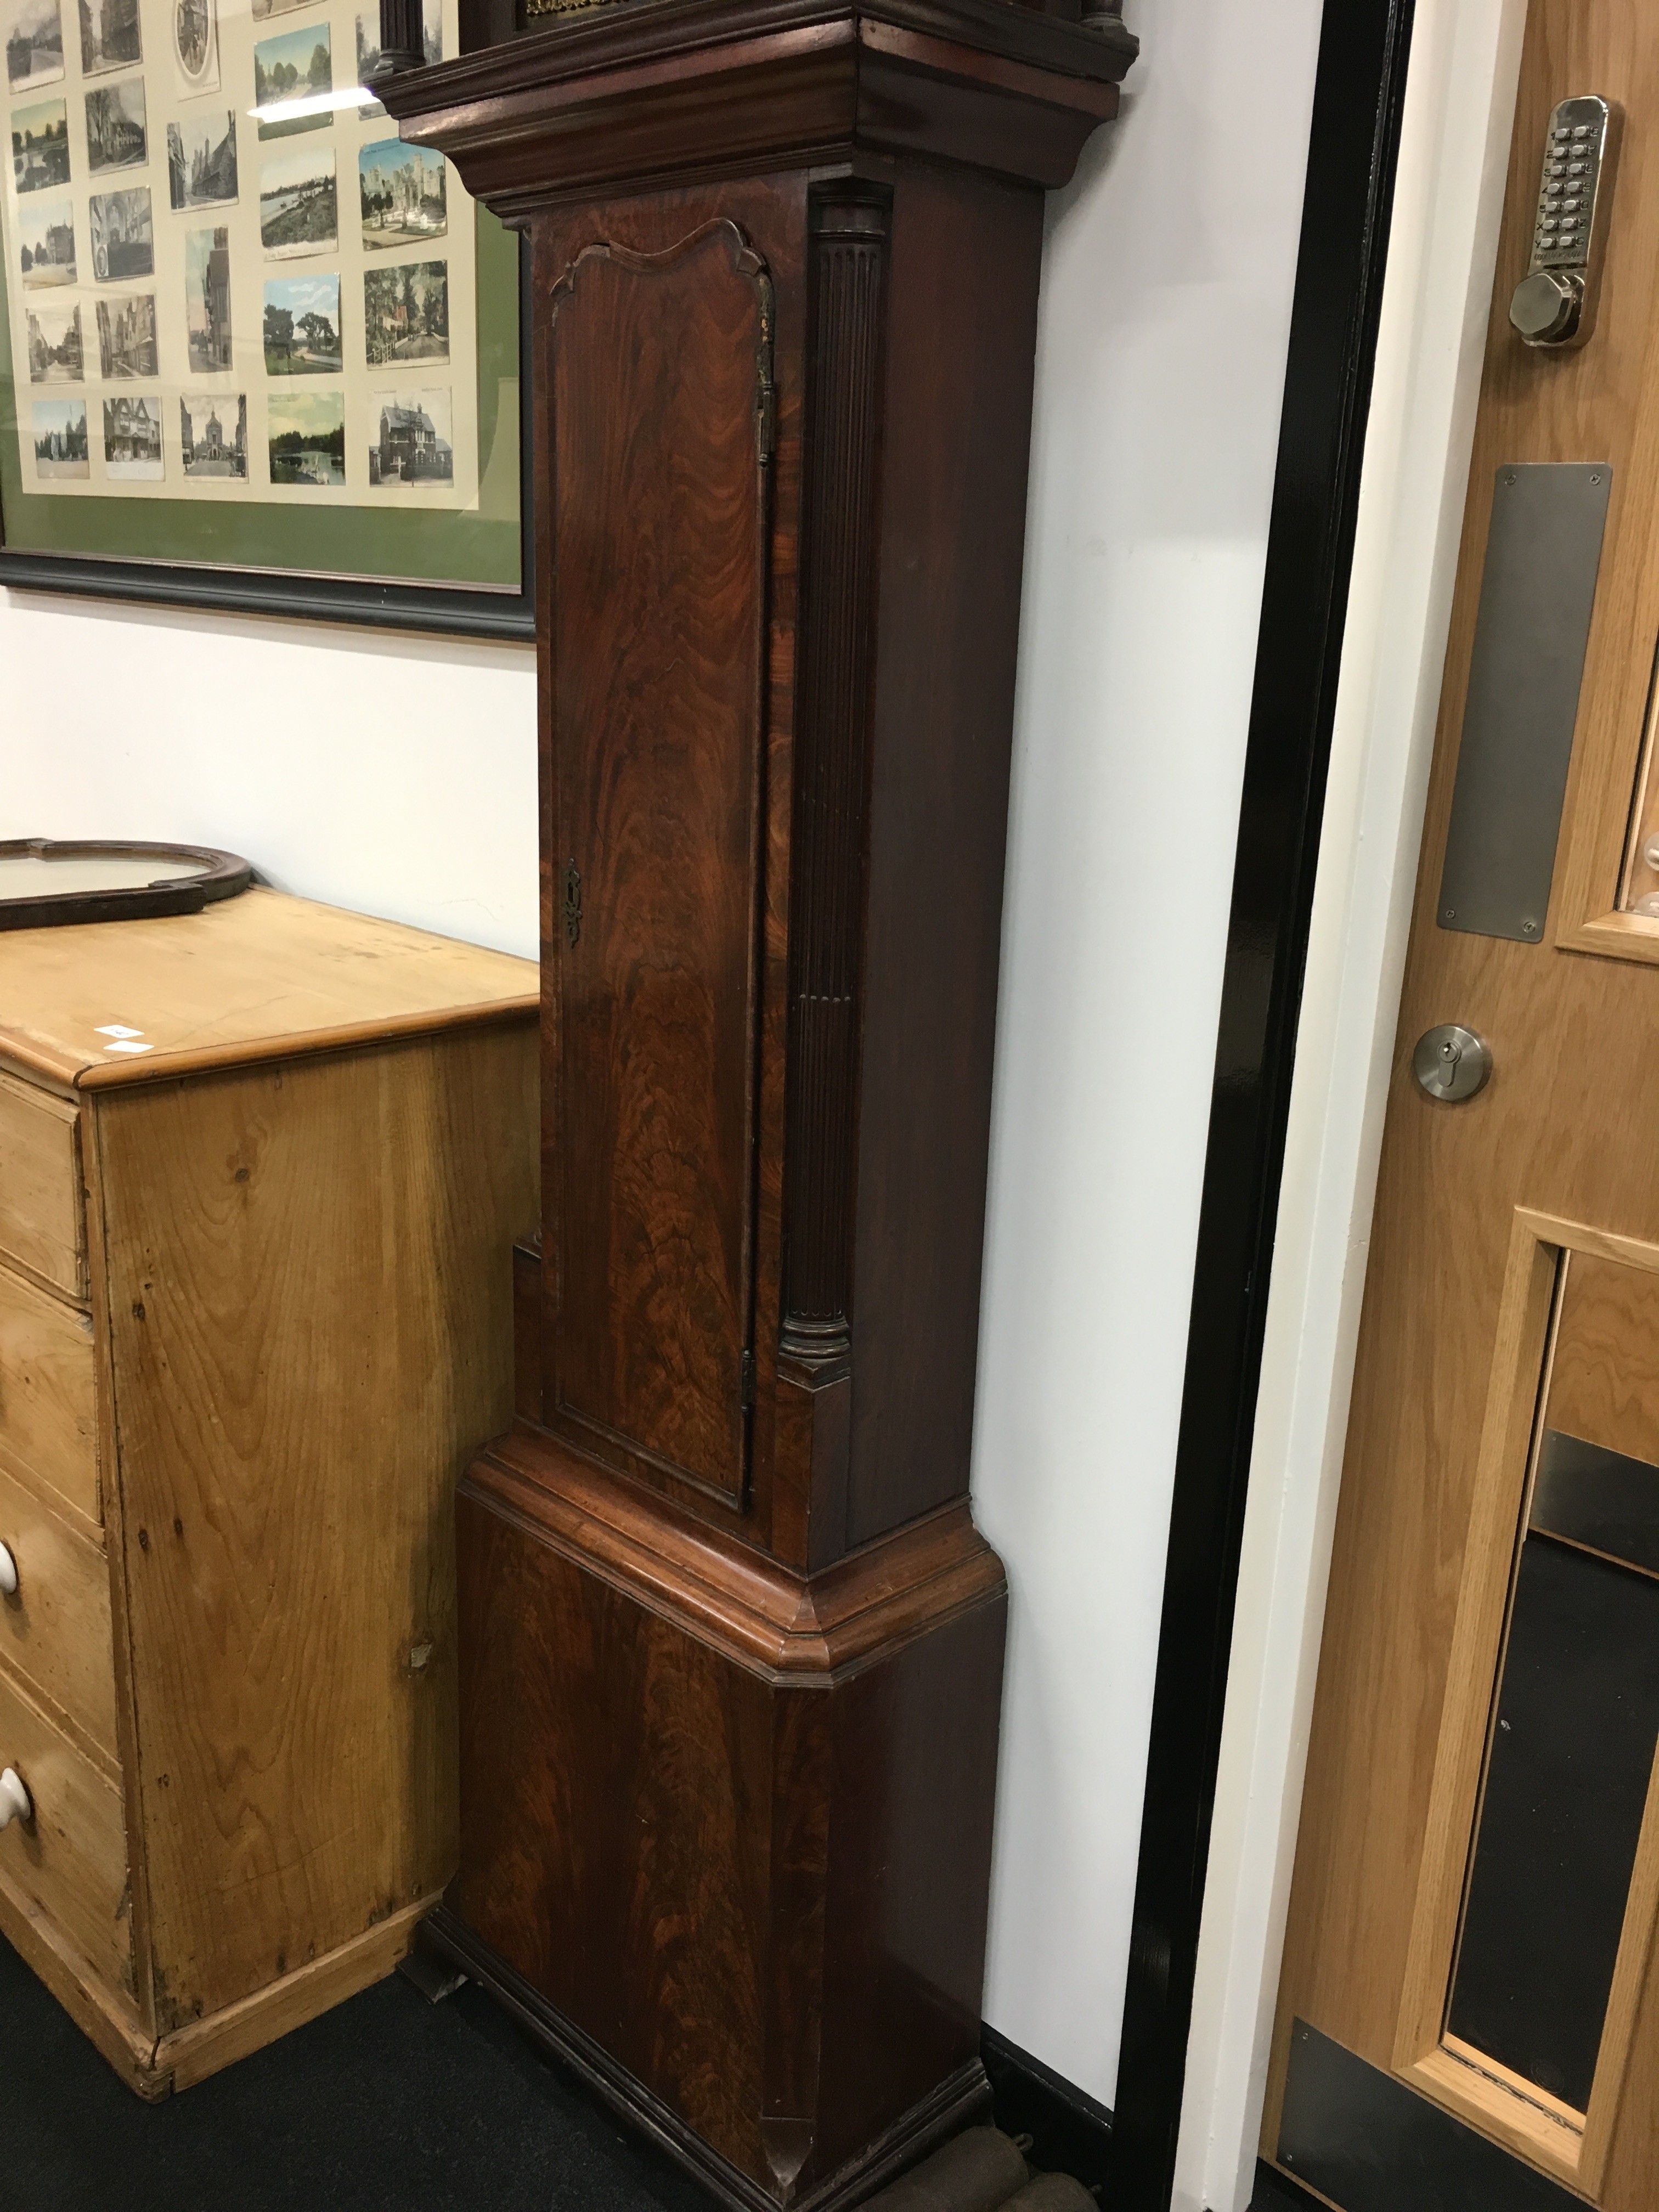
657 366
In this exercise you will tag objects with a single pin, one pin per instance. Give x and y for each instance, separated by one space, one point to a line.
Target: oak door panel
1476 1204
658 367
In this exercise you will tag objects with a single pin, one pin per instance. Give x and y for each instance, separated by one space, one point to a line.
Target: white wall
1455 142
398 776
1166 315
393 775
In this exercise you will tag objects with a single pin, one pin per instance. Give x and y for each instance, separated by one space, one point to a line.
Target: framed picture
256 353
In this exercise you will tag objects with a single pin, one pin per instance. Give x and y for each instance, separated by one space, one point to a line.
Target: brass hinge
573 901
766 391
746 1382
766 421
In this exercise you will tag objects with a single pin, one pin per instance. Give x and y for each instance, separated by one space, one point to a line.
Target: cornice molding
651 91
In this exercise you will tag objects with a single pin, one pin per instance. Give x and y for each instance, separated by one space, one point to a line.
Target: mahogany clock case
731 1645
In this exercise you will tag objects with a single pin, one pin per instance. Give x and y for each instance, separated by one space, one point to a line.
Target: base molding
957 2101
1071 2132
108 2022
207 2046
154 2069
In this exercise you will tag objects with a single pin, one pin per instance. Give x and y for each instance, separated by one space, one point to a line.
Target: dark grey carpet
387 2104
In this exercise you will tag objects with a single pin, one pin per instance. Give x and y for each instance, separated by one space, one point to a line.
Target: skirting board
205 2046
955 2104
112 2026
1070 2131
154 2069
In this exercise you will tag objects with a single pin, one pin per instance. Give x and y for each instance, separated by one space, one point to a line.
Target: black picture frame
454 610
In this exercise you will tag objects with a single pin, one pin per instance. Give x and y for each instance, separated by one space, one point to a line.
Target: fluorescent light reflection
315 103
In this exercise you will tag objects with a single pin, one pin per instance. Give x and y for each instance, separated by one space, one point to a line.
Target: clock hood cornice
661 91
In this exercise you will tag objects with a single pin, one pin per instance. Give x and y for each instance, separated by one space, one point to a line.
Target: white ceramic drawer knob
16 1803
8 1571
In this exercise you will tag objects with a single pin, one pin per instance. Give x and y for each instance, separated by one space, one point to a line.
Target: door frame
1406 175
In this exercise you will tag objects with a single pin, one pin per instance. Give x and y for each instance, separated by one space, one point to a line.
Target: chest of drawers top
260 978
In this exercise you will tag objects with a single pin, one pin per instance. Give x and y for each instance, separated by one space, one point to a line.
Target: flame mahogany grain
731 1647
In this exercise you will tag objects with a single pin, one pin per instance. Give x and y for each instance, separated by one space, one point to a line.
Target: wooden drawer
55 1631
42 1218
72 1857
48 1416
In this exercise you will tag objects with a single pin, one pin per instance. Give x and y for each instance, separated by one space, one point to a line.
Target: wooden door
1469 2007
660 367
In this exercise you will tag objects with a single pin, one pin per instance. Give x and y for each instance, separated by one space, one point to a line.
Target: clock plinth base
727 1843
960 2102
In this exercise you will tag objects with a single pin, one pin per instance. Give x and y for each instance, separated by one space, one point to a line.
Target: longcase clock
731 1645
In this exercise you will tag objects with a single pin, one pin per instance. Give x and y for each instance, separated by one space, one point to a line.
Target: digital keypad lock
1554 303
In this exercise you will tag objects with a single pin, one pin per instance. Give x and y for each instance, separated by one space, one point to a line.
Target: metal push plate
1536 596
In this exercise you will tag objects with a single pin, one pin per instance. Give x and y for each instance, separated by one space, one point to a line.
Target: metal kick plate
1536 596
1369 2144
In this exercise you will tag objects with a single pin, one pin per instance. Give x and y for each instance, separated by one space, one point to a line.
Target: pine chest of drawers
261 1170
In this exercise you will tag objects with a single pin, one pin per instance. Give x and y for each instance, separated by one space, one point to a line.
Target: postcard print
45 252
307 438
403 194
406 312
123 236
110 36
409 438
60 439
117 135
34 43
126 335
293 79
302 326
54 344
207 298
298 213
202 160
195 47
213 435
132 438
40 146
